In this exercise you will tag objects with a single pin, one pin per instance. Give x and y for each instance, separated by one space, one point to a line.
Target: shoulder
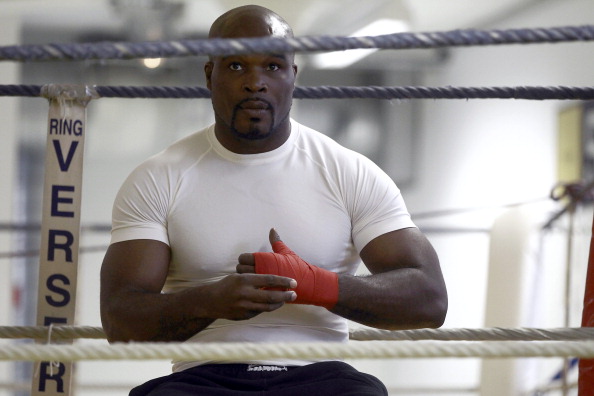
319 144
178 157
334 156
162 172
184 151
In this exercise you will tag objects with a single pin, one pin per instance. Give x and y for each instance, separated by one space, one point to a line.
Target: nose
254 82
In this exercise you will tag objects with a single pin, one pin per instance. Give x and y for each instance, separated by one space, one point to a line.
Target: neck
235 143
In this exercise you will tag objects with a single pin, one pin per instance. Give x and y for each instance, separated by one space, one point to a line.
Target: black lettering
54 127
64 164
48 320
65 127
44 376
53 244
56 199
77 127
50 283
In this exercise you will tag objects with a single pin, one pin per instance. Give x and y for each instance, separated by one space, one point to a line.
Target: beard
255 130
256 127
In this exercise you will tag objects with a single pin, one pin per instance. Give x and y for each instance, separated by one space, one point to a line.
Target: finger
245 269
274 296
270 281
278 246
246 259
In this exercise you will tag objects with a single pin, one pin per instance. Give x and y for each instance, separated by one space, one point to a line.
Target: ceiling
308 17
341 17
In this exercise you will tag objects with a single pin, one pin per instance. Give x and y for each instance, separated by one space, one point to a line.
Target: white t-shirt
210 205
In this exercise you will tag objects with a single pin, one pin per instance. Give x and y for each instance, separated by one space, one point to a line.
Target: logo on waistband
255 367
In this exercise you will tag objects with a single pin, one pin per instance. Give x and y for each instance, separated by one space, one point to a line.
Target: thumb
278 246
273 236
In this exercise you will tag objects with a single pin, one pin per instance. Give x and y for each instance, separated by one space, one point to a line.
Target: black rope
336 92
180 48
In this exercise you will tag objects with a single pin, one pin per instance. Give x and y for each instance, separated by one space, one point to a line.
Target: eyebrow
282 56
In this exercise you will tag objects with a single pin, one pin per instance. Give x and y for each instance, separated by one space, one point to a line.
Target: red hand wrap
315 285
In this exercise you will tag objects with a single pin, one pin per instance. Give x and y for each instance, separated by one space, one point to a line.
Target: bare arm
405 290
134 309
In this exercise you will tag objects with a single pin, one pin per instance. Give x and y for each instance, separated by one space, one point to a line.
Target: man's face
251 94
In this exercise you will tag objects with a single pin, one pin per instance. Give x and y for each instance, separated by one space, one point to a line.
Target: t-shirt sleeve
377 207
141 205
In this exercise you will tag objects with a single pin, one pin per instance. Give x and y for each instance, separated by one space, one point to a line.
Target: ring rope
468 334
407 40
227 352
337 92
357 334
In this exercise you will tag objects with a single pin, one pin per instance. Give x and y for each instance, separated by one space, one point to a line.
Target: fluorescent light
341 59
152 63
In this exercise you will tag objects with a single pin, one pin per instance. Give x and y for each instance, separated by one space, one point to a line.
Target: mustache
240 104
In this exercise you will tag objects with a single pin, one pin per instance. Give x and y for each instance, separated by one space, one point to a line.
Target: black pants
323 379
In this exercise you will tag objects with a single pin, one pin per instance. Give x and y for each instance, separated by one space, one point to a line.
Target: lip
254 104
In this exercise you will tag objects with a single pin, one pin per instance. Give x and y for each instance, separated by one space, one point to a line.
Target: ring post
60 225
586 371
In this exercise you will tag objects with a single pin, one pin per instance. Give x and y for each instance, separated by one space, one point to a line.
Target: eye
273 67
235 66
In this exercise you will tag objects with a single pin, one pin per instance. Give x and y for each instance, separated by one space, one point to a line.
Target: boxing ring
61 221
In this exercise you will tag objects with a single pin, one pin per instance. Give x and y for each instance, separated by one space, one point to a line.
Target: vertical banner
60 226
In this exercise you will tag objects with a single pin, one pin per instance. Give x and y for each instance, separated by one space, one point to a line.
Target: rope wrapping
337 92
217 46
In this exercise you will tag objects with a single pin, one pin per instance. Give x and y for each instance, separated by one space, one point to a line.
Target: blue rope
335 92
152 92
375 92
181 48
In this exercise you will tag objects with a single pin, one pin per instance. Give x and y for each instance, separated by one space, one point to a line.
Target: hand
243 296
247 261
315 285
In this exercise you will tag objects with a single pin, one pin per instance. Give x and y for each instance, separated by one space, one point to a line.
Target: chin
254 131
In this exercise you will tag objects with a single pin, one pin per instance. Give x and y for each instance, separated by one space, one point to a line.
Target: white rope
468 334
58 332
228 352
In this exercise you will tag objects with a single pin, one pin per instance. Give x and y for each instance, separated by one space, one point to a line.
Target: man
193 229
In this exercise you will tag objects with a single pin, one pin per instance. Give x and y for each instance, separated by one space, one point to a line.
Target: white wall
487 153
8 151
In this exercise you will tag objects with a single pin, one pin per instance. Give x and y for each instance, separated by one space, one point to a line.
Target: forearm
143 316
133 314
396 300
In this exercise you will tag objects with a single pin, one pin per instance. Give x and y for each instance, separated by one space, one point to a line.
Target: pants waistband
246 368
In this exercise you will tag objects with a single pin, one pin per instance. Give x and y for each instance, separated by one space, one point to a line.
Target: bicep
135 265
404 248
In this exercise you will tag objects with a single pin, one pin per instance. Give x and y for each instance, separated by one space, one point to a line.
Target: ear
208 73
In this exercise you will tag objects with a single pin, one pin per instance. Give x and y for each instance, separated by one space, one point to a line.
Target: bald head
250 21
